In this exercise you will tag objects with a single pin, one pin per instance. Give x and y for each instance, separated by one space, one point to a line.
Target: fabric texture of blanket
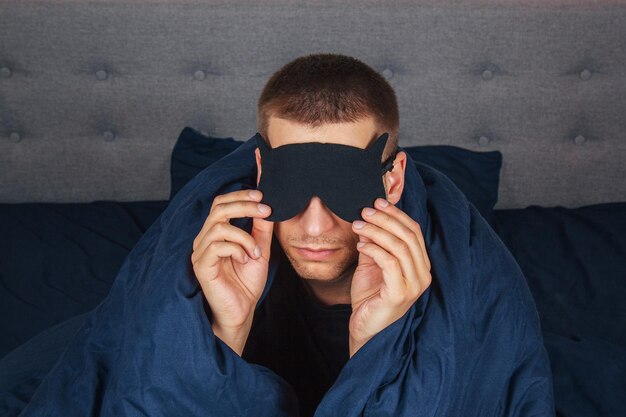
471 345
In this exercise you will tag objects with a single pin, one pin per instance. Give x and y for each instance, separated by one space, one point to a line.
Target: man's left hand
393 271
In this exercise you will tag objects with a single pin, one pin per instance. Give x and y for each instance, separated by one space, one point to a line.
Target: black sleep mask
346 178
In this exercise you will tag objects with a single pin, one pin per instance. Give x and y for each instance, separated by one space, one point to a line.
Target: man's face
317 226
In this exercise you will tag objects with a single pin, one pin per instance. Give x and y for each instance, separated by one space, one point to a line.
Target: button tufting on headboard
101 75
108 135
483 141
487 75
585 74
484 81
15 137
387 73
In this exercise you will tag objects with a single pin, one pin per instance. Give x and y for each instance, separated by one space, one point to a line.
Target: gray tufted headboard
93 94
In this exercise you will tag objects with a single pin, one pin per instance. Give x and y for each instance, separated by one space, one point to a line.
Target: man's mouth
316 254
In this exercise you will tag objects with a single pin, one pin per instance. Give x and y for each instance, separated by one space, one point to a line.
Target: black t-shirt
300 339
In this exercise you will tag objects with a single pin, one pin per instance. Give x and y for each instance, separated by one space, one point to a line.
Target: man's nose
316 218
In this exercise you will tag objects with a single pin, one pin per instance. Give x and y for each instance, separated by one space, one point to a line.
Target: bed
108 108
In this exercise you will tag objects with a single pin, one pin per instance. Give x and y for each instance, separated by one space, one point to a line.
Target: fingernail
254 194
257 251
382 202
263 208
369 211
360 244
359 224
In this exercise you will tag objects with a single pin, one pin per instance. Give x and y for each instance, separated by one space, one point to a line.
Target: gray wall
94 94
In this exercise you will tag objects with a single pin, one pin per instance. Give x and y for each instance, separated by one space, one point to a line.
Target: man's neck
333 292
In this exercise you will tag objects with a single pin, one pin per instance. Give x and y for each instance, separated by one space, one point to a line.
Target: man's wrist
235 338
355 345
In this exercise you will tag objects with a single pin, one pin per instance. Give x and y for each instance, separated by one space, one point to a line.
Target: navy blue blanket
470 346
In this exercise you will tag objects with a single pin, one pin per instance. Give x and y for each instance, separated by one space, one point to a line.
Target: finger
390 242
364 259
207 265
225 207
241 195
223 212
262 231
394 237
407 221
363 238
394 288
229 233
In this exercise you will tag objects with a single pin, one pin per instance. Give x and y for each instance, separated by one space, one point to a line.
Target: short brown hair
330 88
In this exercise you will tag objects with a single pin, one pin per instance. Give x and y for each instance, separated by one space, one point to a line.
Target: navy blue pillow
477 174
575 263
59 260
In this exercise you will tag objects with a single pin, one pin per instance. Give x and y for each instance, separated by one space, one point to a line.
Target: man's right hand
232 275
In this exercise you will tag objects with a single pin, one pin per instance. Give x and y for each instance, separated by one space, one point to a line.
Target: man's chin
315 270
328 272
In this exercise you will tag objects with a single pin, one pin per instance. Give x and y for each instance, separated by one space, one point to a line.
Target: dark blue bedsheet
574 261
471 345
58 260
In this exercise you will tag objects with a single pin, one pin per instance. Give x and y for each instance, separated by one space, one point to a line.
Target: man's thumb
262 231
363 258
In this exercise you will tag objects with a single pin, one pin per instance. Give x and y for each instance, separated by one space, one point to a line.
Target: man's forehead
358 134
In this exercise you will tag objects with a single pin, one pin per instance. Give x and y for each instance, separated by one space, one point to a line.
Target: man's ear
394 179
257 154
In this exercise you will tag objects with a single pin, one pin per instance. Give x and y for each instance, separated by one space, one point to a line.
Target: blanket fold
471 345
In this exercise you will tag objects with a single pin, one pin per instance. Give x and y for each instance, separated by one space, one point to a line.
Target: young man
356 278
469 344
